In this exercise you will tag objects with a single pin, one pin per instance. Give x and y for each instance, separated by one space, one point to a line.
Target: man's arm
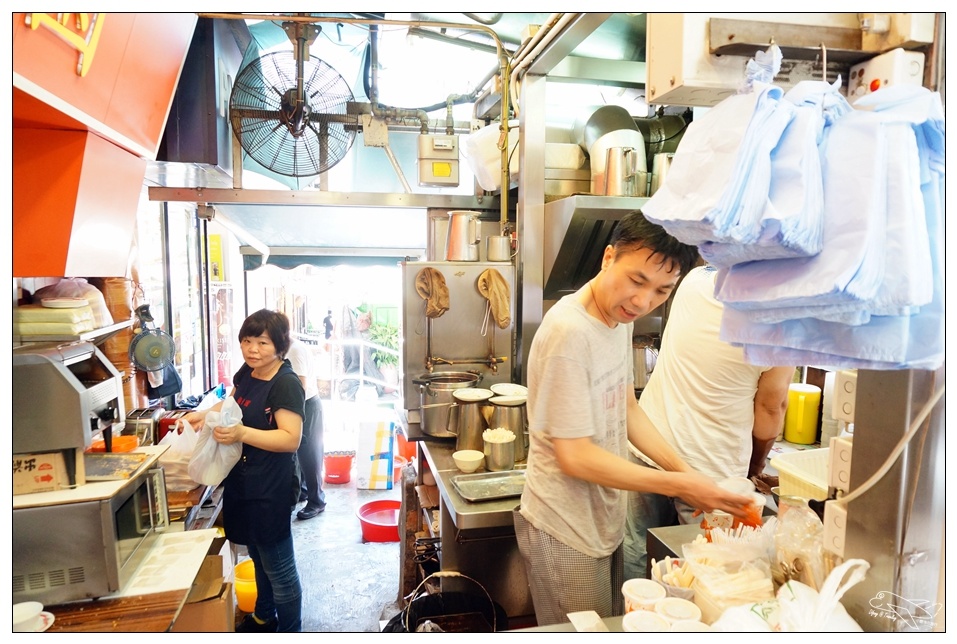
770 404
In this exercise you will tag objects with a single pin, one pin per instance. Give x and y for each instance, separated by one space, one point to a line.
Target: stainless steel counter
466 515
478 539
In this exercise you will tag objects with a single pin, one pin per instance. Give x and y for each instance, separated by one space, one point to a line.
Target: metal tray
487 486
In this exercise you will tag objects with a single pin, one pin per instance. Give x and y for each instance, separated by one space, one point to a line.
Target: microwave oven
90 545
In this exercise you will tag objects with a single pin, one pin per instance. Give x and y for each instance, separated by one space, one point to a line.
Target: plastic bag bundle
873 298
728 574
761 197
798 608
175 460
211 461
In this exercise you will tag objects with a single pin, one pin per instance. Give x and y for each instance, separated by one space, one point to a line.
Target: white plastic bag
212 461
175 460
78 287
803 609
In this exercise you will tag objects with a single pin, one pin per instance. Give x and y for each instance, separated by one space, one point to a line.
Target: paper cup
664 567
26 617
641 594
675 609
643 621
690 626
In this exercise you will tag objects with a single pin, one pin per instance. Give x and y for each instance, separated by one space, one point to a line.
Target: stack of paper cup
830 426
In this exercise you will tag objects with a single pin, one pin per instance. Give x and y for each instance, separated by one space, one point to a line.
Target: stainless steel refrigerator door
457 335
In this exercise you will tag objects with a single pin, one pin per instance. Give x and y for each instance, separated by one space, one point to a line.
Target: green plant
387 336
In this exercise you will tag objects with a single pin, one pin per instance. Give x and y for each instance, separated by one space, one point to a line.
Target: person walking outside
262 489
582 413
310 450
327 324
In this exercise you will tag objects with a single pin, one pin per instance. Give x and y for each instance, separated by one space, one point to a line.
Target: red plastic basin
380 520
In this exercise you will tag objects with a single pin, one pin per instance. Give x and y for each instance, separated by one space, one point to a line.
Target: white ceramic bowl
508 389
472 394
468 460
26 616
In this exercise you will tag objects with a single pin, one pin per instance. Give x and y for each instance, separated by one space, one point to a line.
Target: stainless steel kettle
646 357
462 244
512 417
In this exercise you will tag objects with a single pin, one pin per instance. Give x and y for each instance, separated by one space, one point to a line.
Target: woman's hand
196 420
229 435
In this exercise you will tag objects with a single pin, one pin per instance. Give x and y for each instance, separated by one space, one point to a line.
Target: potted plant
386 335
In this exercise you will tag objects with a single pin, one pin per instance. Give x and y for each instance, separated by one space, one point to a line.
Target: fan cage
257 100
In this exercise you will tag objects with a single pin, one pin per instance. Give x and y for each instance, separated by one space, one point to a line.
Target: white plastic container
676 609
641 594
643 621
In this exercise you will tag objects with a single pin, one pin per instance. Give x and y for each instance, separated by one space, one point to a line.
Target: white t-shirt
300 357
701 392
579 375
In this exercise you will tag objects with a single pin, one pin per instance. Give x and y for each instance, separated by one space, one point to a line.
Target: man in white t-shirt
720 414
310 452
582 413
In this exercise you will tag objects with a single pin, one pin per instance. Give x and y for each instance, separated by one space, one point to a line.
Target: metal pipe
500 49
374 64
495 17
398 168
547 33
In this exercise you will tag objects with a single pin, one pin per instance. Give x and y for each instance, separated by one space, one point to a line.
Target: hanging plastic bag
212 461
175 460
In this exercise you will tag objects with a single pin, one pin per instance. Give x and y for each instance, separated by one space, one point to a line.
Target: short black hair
634 232
273 323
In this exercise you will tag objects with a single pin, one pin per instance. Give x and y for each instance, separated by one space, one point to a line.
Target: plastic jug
800 421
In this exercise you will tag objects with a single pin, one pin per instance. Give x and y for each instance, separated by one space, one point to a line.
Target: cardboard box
211 605
43 472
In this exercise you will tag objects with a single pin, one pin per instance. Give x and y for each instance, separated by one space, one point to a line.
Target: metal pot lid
472 394
508 401
509 389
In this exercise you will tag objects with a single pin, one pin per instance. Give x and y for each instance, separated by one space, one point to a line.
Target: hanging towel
494 288
430 285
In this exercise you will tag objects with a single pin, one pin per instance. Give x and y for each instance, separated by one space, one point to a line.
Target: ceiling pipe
542 38
491 20
502 53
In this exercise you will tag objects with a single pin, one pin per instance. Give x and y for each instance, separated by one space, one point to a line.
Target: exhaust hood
577 230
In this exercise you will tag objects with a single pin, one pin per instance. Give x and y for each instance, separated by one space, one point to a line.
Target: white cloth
579 374
701 394
300 357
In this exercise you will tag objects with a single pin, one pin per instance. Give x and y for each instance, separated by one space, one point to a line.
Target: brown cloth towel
430 285
494 288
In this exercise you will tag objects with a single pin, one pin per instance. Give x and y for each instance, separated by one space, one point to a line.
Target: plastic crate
803 473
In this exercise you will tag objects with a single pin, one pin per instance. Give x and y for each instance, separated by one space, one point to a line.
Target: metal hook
823 63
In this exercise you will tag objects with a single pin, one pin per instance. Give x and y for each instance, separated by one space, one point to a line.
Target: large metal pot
436 400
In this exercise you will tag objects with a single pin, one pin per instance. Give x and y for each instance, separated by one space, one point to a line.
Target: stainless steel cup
499 457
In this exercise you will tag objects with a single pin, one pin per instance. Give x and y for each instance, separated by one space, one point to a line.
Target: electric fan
289 113
152 349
